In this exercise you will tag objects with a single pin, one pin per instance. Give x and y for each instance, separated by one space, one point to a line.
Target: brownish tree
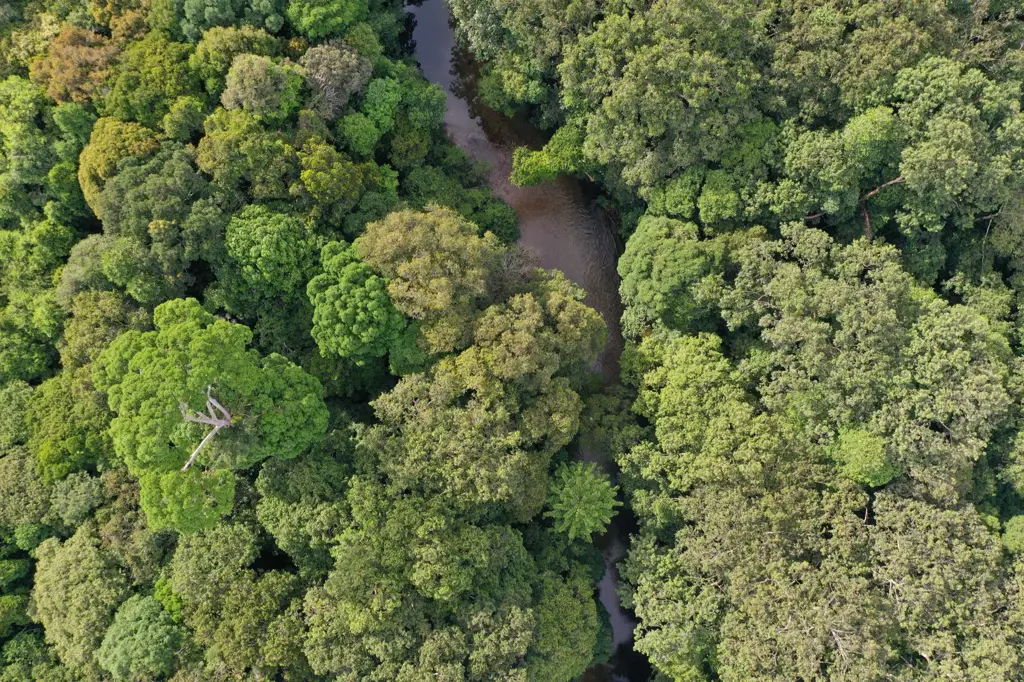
75 65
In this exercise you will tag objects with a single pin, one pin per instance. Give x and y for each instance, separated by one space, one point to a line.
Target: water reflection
556 219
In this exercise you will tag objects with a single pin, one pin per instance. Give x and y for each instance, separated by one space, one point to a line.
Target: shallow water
563 227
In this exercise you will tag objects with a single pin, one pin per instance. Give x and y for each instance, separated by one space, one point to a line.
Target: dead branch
216 416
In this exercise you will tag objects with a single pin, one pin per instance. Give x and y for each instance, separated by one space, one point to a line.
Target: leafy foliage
276 408
141 642
150 75
437 269
582 500
111 141
281 400
352 312
76 65
334 72
325 18
752 454
78 586
268 91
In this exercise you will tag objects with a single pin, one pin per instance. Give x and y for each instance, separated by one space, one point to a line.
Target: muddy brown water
561 225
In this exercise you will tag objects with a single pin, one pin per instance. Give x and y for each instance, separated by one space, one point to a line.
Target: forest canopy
282 399
821 286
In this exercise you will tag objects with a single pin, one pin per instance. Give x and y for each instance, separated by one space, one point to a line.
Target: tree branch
202 444
894 181
867 218
217 416
864 203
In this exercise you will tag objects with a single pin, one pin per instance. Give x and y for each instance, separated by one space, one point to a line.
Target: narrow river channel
559 222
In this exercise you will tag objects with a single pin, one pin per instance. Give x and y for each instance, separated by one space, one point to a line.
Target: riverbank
567 231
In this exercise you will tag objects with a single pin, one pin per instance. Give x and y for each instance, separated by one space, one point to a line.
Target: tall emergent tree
156 383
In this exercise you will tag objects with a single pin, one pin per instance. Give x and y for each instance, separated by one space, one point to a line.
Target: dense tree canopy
281 398
156 380
797 466
194 484
141 643
437 267
582 500
78 587
820 289
352 312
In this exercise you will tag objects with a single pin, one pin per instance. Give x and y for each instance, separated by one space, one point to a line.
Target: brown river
560 223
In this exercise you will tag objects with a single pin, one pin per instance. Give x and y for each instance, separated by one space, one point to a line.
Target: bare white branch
217 416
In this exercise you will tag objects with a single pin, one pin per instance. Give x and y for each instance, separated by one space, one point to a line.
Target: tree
438 269
14 401
271 251
187 501
27 154
582 500
30 318
360 133
230 605
802 413
97 318
563 153
69 423
325 18
25 499
431 185
955 165
418 119
76 65
352 312
141 643
74 123
521 44
123 17
925 547
906 346
218 48
184 119
479 428
711 480
302 504
458 598
153 379
74 498
150 75
200 15
159 215
677 92
111 142
27 658
268 91
334 73
332 181
566 627
663 260
864 458
270 257
381 102
237 150
77 589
